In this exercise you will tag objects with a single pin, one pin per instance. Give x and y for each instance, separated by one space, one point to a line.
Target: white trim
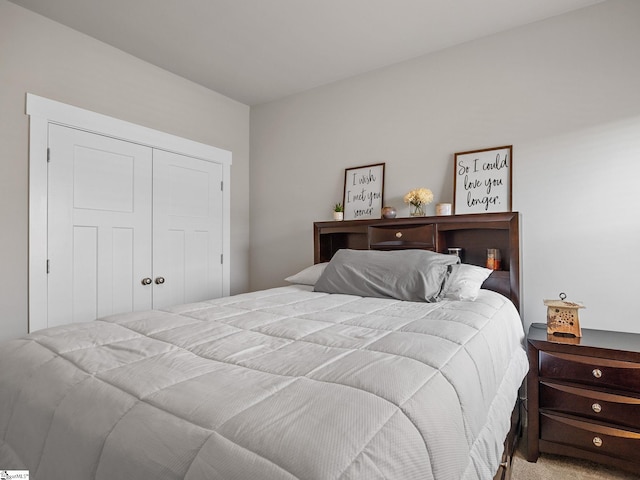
75 117
38 294
42 112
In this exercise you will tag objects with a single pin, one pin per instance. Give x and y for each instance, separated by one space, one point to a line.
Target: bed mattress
278 384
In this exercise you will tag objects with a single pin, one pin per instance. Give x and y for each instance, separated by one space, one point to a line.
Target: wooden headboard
473 233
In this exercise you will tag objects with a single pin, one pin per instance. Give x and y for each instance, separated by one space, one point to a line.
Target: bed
292 382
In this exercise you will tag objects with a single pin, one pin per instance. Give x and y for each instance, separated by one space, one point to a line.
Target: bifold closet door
129 227
99 226
187 229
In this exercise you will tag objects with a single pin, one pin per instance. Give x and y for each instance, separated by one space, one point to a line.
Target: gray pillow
414 275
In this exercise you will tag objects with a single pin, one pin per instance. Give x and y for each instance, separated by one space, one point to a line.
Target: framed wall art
363 192
482 180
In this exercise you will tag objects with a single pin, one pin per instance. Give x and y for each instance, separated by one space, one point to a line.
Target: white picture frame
363 192
482 180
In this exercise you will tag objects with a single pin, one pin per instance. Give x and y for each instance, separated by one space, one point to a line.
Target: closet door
187 229
99 226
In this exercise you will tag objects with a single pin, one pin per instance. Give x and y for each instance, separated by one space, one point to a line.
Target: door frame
43 112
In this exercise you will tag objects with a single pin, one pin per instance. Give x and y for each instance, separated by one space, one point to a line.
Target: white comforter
278 384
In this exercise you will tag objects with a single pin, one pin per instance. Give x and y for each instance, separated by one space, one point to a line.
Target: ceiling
255 51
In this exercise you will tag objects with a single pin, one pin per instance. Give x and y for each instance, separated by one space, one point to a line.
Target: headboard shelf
474 233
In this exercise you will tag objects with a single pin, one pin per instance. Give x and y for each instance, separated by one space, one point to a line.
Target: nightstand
583 396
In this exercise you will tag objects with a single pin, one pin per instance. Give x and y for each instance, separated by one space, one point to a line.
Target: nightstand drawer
590 370
401 237
614 442
605 407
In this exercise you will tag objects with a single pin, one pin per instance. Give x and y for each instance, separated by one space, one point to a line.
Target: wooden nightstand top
623 341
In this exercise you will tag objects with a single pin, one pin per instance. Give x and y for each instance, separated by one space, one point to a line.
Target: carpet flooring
556 467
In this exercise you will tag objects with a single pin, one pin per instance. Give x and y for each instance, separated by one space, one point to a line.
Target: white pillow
464 282
308 276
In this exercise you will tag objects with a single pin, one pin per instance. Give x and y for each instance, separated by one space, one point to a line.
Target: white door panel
187 229
99 226
84 279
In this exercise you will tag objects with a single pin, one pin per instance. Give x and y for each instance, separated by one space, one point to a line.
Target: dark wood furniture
473 233
584 396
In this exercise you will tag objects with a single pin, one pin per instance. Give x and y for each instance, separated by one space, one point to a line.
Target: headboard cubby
473 233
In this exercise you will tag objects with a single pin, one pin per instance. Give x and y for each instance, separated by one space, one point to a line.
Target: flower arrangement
418 198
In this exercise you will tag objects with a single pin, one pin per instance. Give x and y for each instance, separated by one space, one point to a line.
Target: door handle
159 280
146 281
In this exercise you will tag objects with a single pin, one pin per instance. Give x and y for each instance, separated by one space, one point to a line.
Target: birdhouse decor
562 317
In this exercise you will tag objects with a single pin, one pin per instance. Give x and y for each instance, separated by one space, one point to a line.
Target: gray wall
45 58
565 92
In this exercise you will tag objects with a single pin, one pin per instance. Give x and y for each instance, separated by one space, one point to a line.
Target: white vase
338 216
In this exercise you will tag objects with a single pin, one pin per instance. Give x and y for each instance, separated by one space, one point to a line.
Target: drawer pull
398 234
597 441
597 372
596 407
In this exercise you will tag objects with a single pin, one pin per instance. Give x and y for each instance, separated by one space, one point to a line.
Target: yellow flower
419 196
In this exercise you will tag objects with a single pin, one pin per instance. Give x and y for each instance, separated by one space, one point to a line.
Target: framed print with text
363 192
482 180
